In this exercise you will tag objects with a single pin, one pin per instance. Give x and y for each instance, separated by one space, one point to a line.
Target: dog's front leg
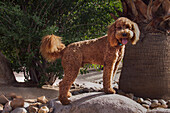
109 65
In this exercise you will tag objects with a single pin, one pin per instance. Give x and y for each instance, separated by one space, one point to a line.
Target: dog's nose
124 34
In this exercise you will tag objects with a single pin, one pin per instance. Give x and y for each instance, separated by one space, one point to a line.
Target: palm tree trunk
146 66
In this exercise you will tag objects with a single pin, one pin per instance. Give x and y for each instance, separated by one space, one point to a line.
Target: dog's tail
51 47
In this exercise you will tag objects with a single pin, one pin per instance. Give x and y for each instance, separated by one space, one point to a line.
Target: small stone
155 104
3 99
130 95
17 102
32 109
80 91
1 107
154 101
163 106
75 92
43 109
168 103
7 107
146 106
30 100
37 104
148 99
146 102
86 90
163 103
19 110
135 98
26 104
42 99
140 100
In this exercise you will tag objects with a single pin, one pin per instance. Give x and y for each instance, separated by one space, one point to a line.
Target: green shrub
24 23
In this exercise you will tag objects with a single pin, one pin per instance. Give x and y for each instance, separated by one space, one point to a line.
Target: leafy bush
24 23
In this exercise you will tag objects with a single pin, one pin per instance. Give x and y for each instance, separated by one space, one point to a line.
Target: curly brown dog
107 50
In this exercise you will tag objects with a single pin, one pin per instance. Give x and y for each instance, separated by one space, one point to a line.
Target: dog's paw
69 94
109 91
64 100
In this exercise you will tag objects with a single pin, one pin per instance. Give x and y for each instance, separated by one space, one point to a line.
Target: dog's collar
120 44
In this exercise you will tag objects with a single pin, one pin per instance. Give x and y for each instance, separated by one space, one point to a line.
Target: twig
113 16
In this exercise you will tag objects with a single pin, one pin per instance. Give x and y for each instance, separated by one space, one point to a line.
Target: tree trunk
6 75
146 66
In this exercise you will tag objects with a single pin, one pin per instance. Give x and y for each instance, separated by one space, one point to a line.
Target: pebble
19 110
26 104
75 92
86 90
168 103
44 109
3 99
146 102
148 99
146 106
37 104
140 100
1 107
42 99
155 104
163 103
17 102
30 100
32 109
7 107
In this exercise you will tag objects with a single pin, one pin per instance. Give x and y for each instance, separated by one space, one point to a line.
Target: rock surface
1 107
98 103
17 102
19 110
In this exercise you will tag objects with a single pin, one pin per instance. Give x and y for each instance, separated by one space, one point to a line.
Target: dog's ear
111 34
136 32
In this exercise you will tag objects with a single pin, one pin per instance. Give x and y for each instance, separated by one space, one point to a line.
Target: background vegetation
24 22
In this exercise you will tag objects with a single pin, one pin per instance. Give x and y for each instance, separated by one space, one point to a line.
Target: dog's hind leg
65 85
71 66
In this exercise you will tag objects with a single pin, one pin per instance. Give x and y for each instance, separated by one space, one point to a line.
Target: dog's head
122 31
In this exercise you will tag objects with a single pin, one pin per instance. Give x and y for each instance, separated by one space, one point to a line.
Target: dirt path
30 93
89 79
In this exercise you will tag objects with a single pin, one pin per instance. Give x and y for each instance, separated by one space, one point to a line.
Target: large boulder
98 103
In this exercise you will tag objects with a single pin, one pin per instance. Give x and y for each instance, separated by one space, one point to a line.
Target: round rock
19 110
97 102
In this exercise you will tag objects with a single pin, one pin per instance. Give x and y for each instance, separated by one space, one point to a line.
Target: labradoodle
107 50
